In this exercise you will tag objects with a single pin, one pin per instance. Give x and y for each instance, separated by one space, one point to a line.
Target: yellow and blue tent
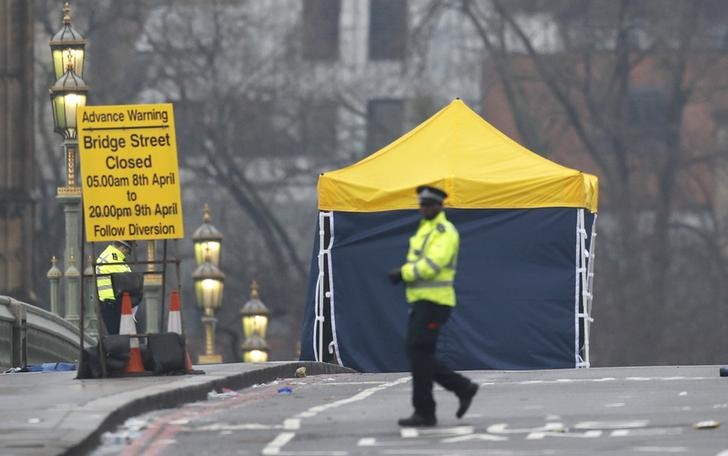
523 278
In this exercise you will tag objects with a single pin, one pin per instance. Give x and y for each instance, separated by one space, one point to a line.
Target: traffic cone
127 327
174 324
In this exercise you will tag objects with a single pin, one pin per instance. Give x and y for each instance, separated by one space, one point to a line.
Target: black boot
465 399
417 420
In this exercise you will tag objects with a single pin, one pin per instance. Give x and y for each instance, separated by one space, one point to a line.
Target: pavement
52 413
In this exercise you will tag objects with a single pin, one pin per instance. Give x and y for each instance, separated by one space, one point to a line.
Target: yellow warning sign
129 172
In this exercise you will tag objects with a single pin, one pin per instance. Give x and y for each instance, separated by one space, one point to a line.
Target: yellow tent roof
456 150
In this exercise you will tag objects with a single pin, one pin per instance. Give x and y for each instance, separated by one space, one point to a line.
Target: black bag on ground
117 354
168 353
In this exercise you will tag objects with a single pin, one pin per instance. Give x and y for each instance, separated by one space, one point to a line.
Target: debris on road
259 385
300 372
224 394
126 433
708 424
285 390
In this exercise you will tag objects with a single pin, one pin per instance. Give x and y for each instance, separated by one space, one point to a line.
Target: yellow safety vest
431 261
103 282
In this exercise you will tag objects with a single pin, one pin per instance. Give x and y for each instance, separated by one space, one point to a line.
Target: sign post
130 184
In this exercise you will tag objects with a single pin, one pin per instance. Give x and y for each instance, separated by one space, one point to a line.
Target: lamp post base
209 359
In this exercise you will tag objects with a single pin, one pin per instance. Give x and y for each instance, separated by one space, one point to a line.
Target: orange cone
127 327
174 324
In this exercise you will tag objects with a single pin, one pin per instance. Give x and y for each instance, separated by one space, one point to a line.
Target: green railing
30 335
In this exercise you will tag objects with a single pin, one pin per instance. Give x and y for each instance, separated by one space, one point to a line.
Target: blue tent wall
516 289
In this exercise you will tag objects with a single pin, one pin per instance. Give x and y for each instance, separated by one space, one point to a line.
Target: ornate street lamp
255 323
255 314
67 46
68 93
207 239
209 282
255 350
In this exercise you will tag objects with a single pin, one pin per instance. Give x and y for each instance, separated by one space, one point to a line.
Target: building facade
16 148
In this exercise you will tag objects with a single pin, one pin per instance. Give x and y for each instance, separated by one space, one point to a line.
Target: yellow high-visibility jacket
110 255
431 262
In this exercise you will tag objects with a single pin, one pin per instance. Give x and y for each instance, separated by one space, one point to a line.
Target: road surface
625 411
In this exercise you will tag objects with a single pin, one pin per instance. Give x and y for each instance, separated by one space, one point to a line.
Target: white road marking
719 406
216 427
614 405
313 411
587 380
657 449
467 438
653 432
571 435
552 417
722 453
373 442
275 445
292 424
683 393
464 452
289 425
502 428
587 425
409 433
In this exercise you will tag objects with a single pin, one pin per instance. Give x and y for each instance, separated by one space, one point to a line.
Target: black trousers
111 314
425 320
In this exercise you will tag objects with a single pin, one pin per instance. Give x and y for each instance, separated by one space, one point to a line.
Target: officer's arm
438 254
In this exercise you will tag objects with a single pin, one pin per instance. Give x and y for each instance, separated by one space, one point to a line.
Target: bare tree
621 80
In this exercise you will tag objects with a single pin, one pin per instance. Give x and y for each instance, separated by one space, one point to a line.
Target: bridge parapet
30 335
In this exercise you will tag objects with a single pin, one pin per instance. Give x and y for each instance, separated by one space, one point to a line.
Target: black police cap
427 193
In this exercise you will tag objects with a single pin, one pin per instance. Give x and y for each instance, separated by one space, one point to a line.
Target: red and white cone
174 321
174 324
127 327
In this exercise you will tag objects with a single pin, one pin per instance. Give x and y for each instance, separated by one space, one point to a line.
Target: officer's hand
395 276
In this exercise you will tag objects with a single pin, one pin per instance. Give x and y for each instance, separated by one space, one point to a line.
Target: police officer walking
428 276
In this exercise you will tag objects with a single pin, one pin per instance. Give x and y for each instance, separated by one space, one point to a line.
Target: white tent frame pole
318 330
334 344
582 278
326 219
588 320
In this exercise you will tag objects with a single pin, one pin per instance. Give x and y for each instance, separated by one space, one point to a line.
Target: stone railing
30 335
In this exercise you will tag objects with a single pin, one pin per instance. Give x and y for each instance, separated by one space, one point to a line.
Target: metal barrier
30 335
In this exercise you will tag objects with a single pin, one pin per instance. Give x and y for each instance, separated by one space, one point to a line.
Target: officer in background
111 261
428 276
